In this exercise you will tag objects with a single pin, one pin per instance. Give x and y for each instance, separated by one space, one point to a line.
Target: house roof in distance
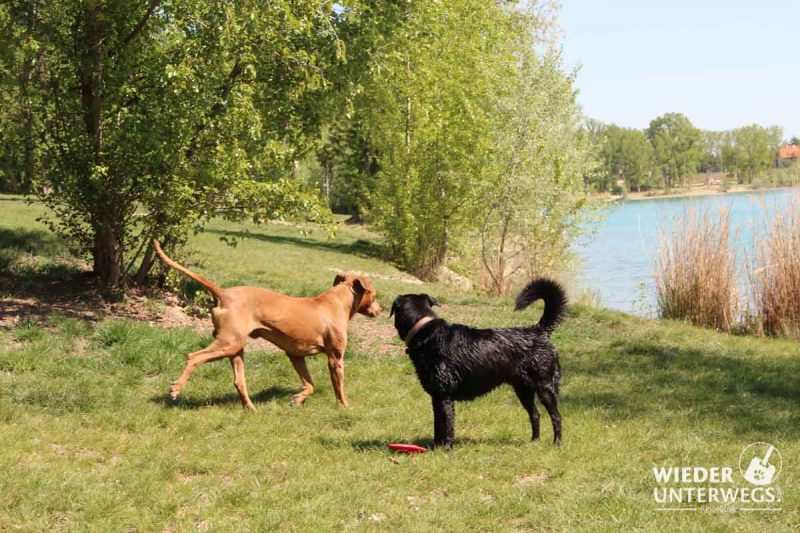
790 151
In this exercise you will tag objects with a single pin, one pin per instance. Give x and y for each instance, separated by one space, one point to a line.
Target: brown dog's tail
212 287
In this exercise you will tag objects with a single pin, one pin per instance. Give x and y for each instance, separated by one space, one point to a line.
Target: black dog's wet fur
456 362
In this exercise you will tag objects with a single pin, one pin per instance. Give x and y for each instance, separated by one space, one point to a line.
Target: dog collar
418 326
355 298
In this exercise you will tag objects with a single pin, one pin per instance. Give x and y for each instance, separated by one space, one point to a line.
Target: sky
724 64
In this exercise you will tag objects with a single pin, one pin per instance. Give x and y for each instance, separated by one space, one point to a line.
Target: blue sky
724 64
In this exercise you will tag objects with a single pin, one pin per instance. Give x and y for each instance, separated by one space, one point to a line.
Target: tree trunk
92 78
441 251
24 184
107 260
431 267
107 252
500 281
144 268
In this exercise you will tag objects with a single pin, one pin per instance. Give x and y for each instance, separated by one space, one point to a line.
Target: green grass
28 251
90 441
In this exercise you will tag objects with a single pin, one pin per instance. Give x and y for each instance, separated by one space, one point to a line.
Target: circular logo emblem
760 463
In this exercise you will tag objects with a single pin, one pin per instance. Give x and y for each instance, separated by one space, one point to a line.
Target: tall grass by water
695 272
775 279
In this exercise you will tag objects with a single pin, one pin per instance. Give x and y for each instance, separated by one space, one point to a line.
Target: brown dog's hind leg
299 364
217 350
237 363
336 369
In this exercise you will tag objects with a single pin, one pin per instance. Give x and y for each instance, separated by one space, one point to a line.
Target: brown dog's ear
338 279
364 284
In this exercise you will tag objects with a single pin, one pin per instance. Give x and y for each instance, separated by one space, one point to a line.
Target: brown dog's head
366 301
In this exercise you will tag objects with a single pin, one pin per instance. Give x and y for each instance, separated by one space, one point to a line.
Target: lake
616 263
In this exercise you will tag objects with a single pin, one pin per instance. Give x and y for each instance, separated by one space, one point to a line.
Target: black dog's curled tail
555 301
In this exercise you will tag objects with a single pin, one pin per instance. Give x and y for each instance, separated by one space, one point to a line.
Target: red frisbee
407 448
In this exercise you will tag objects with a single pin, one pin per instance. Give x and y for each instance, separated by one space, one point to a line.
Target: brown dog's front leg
237 363
336 369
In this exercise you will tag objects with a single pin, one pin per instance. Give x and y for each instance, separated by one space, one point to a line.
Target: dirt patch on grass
537 478
78 297
375 337
400 277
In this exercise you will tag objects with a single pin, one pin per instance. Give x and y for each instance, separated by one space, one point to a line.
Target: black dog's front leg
444 420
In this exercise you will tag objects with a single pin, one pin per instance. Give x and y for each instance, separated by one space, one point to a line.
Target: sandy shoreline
699 191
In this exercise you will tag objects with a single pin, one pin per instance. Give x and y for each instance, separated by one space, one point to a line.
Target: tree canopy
460 113
149 117
677 146
451 126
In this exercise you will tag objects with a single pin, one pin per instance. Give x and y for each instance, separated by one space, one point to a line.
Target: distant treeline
672 149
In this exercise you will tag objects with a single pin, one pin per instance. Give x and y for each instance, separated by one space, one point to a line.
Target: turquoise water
617 263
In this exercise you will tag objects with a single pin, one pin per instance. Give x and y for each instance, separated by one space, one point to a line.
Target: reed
695 272
775 278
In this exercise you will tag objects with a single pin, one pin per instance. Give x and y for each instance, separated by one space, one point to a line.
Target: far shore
696 190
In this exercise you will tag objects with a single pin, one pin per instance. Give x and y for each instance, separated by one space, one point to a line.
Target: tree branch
227 88
140 26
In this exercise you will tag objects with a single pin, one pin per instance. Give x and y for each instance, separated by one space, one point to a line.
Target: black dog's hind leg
526 396
549 399
444 420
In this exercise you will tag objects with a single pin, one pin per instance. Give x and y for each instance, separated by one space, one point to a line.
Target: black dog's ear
394 306
432 301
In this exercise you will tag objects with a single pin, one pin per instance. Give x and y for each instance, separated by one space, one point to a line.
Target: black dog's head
408 309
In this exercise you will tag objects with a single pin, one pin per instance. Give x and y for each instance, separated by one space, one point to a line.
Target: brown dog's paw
297 400
174 391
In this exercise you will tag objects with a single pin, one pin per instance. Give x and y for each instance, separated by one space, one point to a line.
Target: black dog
456 362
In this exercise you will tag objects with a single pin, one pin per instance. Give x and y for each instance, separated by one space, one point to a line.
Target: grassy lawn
91 442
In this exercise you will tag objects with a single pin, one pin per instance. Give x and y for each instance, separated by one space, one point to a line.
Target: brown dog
299 326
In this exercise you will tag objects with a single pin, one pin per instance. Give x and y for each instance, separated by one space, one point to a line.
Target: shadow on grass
30 240
359 247
36 243
425 442
18 198
264 396
40 282
761 394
